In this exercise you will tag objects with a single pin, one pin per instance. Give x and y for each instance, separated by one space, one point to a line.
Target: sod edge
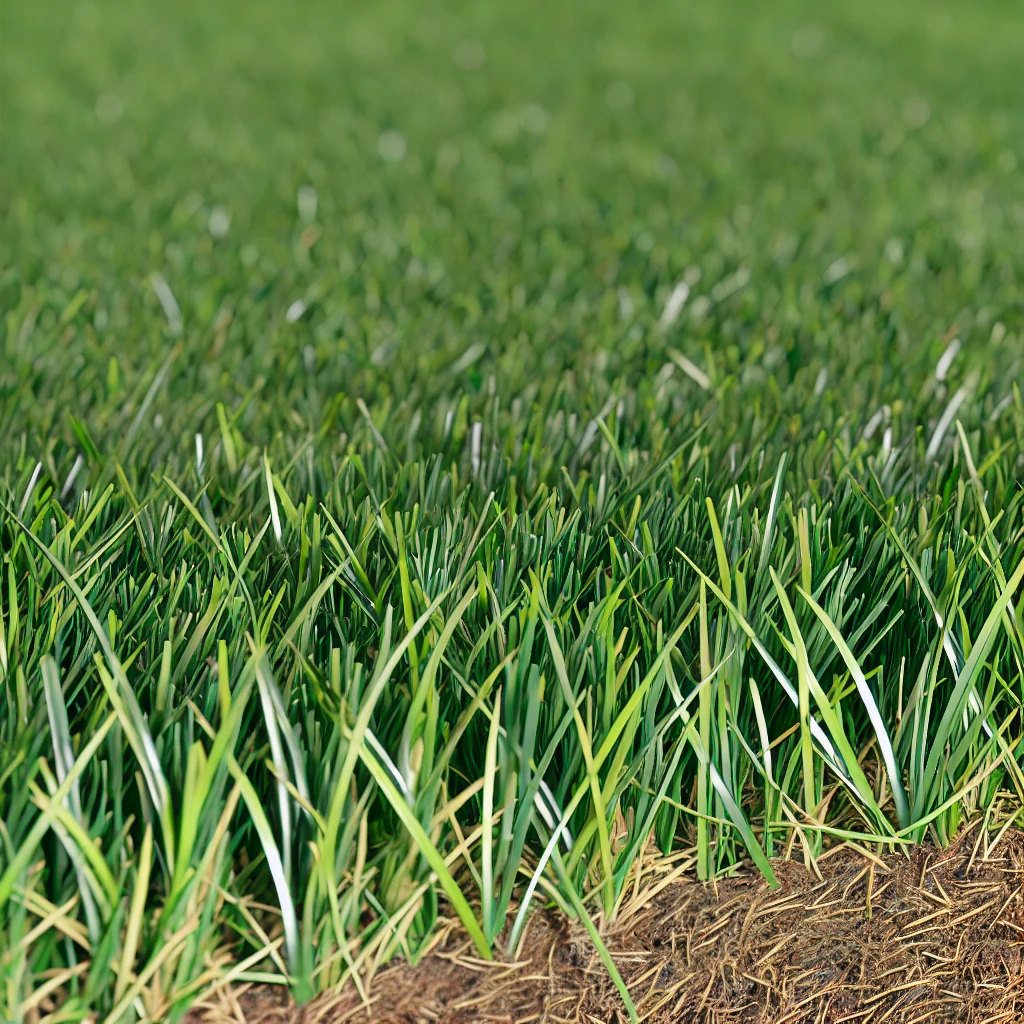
934 934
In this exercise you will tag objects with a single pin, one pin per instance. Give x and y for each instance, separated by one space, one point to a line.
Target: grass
445 453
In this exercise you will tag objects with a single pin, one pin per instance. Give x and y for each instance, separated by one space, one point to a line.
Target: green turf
373 502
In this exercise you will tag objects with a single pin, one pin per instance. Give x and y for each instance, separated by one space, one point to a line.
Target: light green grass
384 536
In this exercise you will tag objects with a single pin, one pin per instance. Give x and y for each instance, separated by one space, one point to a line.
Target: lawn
453 454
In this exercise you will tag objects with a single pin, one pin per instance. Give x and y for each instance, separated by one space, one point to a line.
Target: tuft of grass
423 494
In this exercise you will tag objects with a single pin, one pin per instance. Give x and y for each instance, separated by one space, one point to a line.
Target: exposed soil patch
936 938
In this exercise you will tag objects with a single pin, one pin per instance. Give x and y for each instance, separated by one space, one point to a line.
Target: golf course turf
459 462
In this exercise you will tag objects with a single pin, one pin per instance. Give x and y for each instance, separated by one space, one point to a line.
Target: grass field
448 452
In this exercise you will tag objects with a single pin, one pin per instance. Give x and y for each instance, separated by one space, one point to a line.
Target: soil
936 937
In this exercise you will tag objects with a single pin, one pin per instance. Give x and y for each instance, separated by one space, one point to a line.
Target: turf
449 453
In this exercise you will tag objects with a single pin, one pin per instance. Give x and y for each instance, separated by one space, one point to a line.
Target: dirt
938 937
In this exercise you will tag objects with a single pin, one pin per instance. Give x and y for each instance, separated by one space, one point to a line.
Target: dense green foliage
452 455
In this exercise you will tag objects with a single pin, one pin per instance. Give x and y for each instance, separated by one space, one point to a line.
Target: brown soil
936 938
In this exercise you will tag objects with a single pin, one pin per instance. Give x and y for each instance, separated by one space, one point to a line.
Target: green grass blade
430 854
881 733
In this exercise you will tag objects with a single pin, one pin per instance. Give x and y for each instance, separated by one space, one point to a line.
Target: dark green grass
367 514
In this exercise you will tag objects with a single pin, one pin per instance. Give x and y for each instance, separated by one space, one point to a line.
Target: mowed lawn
451 452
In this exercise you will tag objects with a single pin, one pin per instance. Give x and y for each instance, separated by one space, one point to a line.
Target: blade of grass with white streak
122 699
816 730
859 781
375 688
867 698
704 869
286 904
429 851
487 822
965 683
22 857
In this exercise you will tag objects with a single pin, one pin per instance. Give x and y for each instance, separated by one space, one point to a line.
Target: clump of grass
435 515
422 687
